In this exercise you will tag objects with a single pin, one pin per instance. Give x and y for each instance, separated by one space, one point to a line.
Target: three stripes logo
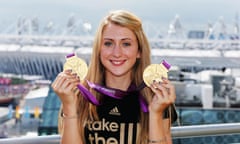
115 111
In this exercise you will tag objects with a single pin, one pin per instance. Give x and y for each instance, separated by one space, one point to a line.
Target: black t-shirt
118 122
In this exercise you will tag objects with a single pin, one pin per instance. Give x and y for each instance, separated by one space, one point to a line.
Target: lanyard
114 93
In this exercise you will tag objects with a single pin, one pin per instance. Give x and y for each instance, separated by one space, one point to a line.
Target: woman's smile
117 62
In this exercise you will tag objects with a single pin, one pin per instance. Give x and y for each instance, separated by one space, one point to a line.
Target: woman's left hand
164 95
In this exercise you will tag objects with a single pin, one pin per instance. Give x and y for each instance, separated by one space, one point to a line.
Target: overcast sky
158 13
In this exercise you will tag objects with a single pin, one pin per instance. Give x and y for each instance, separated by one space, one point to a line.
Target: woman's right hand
65 86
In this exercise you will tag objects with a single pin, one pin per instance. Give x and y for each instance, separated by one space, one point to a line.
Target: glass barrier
199 116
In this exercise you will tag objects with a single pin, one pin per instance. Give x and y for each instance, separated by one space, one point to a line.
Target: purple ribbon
114 93
88 95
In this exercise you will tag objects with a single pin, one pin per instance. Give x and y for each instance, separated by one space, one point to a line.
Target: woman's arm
159 127
167 130
65 86
70 132
158 133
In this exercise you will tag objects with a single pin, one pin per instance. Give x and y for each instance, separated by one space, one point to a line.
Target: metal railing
205 130
177 132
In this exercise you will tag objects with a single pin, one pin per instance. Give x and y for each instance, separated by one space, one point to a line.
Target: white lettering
101 140
89 125
97 139
96 125
112 141
103 126
107 126
91 139
114 127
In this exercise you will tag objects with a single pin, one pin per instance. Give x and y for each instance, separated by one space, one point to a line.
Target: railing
51 139
177 132
205 130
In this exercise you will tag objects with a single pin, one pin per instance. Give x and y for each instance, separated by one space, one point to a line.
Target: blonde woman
120 54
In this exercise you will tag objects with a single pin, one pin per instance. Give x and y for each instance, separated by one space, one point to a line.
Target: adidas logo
115 111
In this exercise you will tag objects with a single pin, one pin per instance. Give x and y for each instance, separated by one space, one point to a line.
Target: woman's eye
108 44
126 44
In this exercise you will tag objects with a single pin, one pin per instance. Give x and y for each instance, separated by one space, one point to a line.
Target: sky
155 14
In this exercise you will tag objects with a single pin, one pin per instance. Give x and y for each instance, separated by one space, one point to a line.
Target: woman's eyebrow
105 38
126 39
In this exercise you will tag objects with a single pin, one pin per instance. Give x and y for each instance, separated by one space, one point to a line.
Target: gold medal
155 72
77 65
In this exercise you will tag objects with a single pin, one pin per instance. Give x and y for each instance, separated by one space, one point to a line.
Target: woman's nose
117 51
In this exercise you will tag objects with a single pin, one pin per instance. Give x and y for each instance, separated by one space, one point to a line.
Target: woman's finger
65 82
171 91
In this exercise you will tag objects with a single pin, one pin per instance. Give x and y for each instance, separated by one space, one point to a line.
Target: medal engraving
154 72
77 65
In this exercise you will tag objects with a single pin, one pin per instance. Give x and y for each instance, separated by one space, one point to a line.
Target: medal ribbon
111 92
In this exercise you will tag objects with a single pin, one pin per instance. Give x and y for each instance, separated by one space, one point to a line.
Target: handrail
50 139
205 130
177 132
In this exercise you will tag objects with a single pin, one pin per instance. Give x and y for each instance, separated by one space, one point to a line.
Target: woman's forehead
116 31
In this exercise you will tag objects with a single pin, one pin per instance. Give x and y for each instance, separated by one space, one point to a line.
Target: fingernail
74 74
163 78
69 70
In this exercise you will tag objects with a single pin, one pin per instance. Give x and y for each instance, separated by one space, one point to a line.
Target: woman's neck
121 83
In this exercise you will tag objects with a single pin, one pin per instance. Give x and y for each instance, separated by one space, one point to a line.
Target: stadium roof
33 60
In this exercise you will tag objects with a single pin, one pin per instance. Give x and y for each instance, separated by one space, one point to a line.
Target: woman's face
119 50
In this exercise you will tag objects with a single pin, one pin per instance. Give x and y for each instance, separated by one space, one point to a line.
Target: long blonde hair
95 74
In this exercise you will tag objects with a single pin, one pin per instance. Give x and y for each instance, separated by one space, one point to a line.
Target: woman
120 54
